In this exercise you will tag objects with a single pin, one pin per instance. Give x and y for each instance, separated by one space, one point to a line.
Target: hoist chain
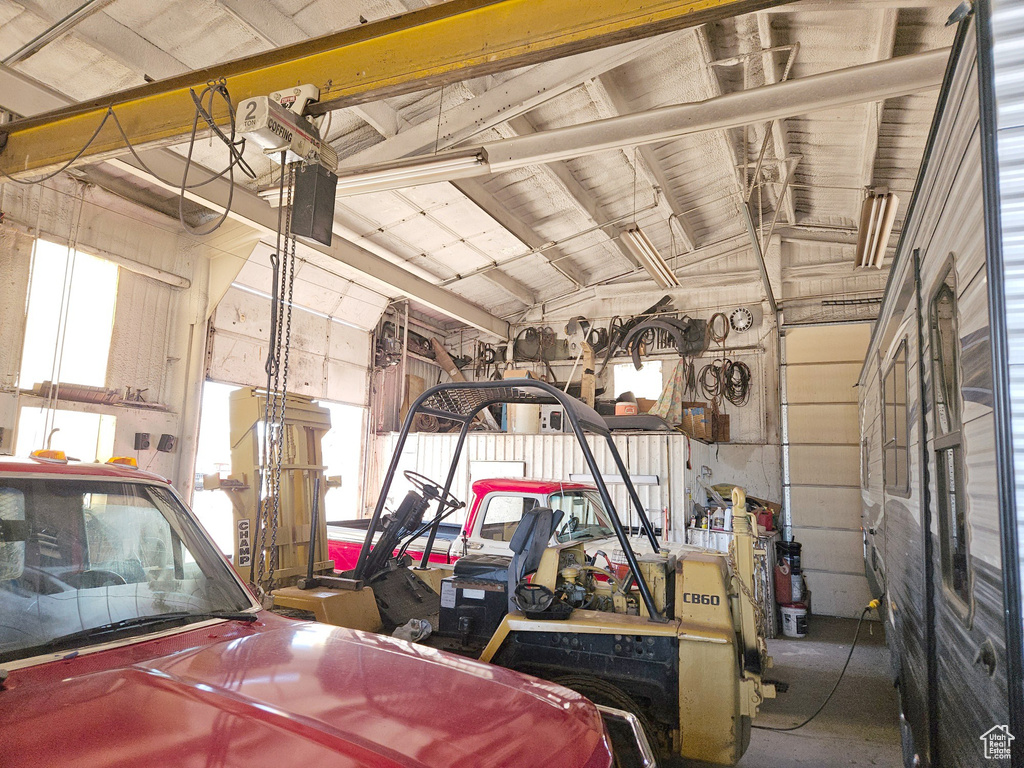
287 281
282 262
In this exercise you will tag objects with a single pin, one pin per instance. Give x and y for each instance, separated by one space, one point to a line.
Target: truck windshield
78 555
584 516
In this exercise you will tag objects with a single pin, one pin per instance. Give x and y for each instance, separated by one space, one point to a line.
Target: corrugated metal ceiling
451 232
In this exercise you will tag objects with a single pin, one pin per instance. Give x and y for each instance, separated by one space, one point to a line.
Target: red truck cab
126 639
495 509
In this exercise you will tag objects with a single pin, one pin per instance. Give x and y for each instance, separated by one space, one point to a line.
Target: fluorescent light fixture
409 173
643 250
404 173
876 219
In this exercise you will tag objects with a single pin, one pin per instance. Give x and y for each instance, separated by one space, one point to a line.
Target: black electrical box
166 443
313 203
142 441
474 601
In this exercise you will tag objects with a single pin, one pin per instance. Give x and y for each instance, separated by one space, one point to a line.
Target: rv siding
947 229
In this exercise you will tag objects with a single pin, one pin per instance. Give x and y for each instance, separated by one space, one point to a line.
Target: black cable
718 338
235 148
212 89
69 163
834 687
735 382
711 380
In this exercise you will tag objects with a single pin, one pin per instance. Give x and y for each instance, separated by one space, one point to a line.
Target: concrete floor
859 727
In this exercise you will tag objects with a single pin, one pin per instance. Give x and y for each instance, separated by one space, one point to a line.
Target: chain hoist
274 442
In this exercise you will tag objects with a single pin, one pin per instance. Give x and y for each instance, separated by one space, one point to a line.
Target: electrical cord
69 163
218 88
718 337
235 147
725 379
736 382
856 634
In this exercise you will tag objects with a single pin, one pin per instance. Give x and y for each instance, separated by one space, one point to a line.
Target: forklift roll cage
461 401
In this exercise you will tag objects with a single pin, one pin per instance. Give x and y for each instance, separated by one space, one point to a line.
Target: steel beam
780 132
25 95
512 98
886 42
762 266
442 43
65 25
522 231
682 228
830 90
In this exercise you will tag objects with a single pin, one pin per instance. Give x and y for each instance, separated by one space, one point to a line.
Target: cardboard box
645 405
518 373
720 431
696 420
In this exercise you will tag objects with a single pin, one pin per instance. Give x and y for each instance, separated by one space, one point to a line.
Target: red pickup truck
126 639
496 507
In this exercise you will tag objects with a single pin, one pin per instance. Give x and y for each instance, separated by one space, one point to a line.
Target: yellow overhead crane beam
439 44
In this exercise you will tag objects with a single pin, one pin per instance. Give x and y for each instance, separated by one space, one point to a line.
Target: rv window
948 442
895 446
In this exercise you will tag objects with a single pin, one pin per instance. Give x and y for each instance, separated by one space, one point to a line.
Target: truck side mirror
13 534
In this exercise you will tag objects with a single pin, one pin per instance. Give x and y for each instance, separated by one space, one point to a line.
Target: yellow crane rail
439 44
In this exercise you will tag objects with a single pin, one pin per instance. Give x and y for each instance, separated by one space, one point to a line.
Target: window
948 440
644 383
87 554
896 466
70 317
83 436
343 454
502 515
865 464
584 516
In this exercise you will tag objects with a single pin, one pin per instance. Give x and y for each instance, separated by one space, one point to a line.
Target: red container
783 584
765 519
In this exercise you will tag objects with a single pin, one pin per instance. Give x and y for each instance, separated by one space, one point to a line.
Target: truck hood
300 695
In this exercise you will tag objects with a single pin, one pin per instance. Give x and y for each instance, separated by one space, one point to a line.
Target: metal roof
514 240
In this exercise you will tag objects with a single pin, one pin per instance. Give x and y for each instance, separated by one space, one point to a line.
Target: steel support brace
755 243
443 43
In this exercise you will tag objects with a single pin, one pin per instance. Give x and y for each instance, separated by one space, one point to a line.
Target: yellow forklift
675 639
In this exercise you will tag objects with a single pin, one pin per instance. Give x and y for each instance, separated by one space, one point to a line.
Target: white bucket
794 620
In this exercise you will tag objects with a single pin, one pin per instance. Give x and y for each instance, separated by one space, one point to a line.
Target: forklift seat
528 544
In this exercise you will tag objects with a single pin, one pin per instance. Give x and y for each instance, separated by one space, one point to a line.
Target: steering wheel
432 490
532 597
93 578
570 525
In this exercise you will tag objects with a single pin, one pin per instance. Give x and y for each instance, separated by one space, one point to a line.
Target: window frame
896 488
944 443
486 508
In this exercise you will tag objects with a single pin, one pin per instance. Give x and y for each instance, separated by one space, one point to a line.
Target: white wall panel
823 446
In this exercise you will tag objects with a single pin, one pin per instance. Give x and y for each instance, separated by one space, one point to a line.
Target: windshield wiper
143 621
